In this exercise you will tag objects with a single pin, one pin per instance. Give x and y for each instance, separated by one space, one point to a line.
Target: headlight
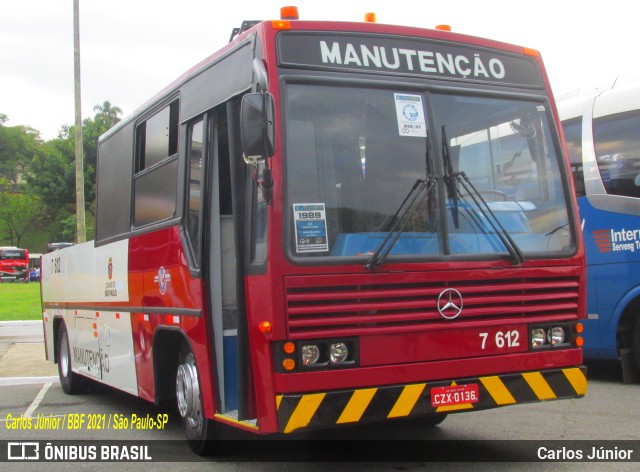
310 354
538 337
316 354
556 335
338 352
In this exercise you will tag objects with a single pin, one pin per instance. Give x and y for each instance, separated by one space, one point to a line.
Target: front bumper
374 404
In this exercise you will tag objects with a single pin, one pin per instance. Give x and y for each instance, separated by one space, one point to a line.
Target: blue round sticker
410 112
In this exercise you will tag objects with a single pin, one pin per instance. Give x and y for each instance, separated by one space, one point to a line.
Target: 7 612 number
502 339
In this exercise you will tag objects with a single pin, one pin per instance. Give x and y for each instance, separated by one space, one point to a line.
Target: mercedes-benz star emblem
450 303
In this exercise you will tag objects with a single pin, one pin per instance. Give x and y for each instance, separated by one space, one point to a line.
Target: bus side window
156 167
573 138
617 147
258 247
196 174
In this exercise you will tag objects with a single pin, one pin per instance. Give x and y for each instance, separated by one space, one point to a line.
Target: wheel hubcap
188 392
64 356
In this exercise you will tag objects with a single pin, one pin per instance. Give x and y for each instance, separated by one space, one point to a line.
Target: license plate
454 395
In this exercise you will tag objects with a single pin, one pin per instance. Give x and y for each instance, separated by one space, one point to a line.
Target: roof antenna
246 24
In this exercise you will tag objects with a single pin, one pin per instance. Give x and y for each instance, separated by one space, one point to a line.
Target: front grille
375 304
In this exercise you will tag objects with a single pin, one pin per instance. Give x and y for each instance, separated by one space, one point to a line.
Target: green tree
19 213
18 145
52 171
52 175
66 229
107 115
49 171
105 118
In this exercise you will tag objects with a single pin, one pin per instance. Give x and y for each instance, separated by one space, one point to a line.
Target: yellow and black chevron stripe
322 409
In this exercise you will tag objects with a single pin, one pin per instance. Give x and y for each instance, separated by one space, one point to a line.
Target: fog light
556 335
338 352
310 354
538 337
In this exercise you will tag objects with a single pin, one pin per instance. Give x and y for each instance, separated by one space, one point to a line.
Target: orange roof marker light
531 52
281 24
443 27
289 13
370 17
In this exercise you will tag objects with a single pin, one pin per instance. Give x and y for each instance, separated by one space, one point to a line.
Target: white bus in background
602 133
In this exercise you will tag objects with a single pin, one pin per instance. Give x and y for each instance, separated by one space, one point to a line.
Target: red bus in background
14 264
330 223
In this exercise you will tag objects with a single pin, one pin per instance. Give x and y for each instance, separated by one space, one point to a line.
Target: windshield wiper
449 178
454 194
516 254
399 220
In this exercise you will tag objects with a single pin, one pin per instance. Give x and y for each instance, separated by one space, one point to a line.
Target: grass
20 301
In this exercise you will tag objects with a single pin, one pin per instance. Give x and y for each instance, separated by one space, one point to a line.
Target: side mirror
257 127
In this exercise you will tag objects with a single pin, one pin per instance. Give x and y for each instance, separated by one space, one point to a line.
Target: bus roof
274 26
614 96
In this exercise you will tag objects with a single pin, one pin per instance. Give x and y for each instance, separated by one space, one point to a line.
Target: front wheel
197 428
433 419
71 382
430 420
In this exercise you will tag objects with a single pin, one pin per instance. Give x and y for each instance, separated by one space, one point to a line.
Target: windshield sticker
311 227
410 115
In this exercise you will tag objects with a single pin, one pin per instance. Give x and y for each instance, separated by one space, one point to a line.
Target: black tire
433 419
198 429
71 382
430 420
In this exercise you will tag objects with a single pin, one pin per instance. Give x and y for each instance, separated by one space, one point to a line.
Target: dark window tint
224 168
259 208
617 144
573 138
196 174
155 181
156 194
158 137
6 254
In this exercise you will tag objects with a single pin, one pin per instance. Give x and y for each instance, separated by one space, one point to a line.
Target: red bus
330 223
14 264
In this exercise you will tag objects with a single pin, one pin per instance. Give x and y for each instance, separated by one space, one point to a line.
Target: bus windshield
354 154
12 254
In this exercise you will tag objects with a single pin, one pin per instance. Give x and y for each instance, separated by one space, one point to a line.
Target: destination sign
405 56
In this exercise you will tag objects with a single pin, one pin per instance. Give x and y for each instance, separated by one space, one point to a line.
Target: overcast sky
131 49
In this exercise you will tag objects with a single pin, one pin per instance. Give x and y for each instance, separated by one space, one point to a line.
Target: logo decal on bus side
450 303
610 240
163 278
